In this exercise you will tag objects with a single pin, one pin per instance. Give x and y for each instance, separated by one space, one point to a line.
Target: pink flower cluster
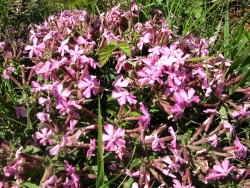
65 80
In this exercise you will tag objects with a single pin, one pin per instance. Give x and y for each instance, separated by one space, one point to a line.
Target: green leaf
135 163
223 113
198 13
113 42
199 59
32 149
30 185
128 183
135 113
153 110
125 48
106 52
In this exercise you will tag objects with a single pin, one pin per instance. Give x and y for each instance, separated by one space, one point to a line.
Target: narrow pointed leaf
226 31
30 185
100 162
243 81
236 64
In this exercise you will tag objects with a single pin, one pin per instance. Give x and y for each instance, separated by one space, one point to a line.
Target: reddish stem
13 79
199 131
67 72
67 121
30 76
120 110
85 71
89 113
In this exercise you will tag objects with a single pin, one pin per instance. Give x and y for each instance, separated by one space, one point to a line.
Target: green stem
121 173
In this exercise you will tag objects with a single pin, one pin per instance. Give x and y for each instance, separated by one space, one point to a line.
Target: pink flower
146 38
220 170
76 53
64 47
37 49
213 139
240 172
149 74
228 126
144 121
45 70
42 116
89 84
132 174
157 144
84 60
113 138
20 111
37 87
47 102
51 182
121 61
119 83
72 124
57 64
92 147
54 150
67 107
177 184
188 97
123 96
70 184
242 113
242 150
177 110
61 145
44 136
173 142
9 70
74 176
15 169
123 153
172 165
58 91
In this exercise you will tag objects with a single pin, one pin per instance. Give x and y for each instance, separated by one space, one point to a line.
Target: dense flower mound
168 119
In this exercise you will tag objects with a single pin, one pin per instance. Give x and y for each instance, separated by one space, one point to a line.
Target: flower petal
109 129
119 132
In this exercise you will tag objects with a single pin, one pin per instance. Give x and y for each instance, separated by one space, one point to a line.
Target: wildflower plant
154 85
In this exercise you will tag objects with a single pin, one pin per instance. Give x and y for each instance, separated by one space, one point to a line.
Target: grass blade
236 64
11 119
242 81
226 31
100 162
